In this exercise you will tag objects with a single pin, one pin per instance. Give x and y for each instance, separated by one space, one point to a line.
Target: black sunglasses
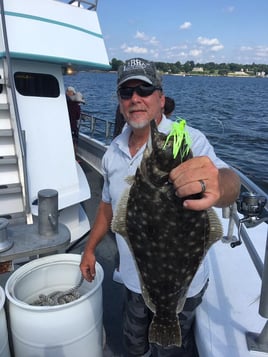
142 90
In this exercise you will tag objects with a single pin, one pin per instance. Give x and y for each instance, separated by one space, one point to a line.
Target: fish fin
181 303
130 180
216 230
118 224
146 296
165 334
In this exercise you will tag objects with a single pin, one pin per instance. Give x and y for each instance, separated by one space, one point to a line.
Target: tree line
210 68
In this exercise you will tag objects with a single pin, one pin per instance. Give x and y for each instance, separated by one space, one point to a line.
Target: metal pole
17 117
259 342
5 244
263 308
48 212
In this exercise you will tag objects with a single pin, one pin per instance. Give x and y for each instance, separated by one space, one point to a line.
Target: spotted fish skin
167 241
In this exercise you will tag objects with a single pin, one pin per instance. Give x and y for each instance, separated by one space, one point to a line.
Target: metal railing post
21 134
263 309
259 342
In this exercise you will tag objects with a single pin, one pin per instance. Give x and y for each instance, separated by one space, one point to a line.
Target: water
232 112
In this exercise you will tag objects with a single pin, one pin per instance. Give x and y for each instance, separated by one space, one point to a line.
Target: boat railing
250 210
252 204
96 128
20 132
90 5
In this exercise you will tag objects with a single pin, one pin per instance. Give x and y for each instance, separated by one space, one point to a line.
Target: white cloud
183 54
203 49
143 37
261 51
217 48
212 44
208 41
154 53
186 25
134 49
195 52
176 48
154 41
246 48
140 35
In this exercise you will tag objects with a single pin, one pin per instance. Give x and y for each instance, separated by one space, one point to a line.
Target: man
169 106
141 100
70 91
74 100
119 122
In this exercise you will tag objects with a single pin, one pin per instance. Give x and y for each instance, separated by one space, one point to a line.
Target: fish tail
165 333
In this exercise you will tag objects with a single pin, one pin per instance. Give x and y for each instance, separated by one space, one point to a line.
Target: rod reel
251 206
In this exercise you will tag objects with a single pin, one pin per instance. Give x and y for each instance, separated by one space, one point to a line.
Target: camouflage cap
138 68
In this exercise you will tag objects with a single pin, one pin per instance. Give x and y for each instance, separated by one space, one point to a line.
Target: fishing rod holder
5 242
46 236
48 212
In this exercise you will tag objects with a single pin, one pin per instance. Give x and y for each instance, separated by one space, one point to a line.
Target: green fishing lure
179 133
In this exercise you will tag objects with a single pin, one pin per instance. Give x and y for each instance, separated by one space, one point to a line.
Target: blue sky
189 30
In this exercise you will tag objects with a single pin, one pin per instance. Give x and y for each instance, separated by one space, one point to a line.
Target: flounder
168 242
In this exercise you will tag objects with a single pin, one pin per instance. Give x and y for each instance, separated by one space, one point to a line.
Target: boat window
37 84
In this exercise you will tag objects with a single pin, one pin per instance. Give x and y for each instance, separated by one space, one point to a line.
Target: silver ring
203 186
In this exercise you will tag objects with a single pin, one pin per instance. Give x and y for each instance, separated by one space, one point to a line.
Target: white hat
71 89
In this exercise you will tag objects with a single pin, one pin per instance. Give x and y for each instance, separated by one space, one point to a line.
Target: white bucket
73 329
4 347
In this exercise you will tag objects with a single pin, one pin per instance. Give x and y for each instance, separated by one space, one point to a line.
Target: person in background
141 99
70 92
73 103
119 122
169 106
